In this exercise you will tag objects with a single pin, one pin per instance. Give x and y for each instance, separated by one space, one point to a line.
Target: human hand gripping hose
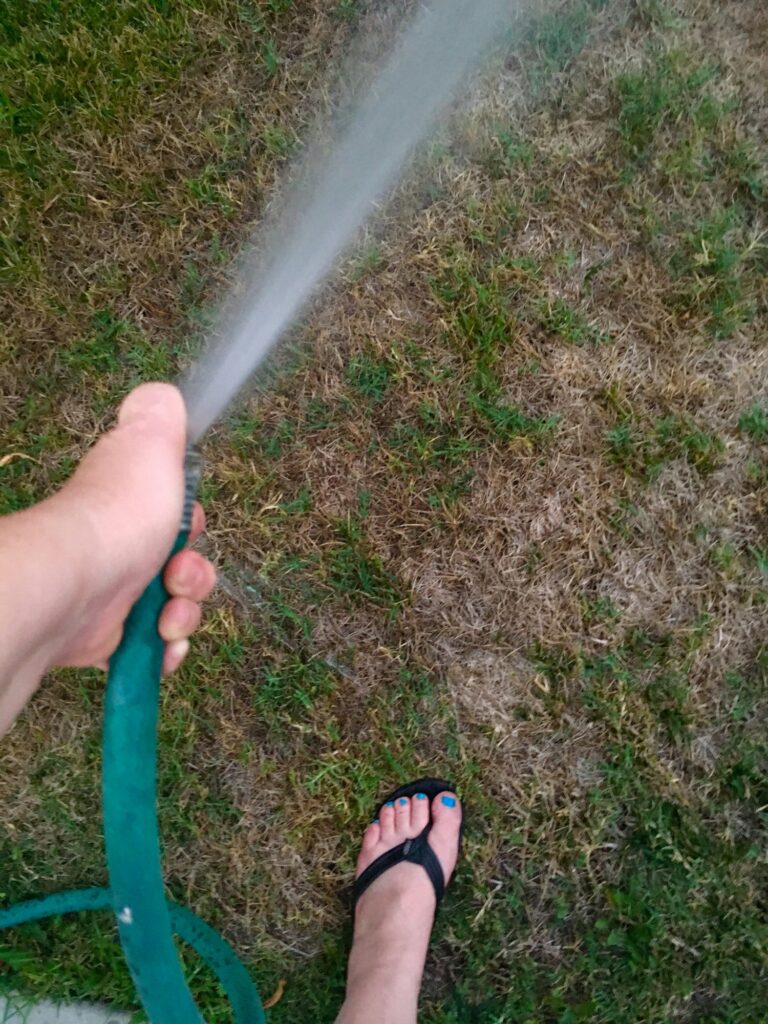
344 174
146 920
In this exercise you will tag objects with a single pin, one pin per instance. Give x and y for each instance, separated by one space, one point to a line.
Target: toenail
421 796
449 801
375 821
403 800
390 803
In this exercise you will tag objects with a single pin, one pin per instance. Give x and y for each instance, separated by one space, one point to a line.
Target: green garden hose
146 921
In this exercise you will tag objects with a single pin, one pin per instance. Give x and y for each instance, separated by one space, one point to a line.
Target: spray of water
431 59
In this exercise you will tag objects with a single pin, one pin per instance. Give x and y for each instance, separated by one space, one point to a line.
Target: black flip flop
416 850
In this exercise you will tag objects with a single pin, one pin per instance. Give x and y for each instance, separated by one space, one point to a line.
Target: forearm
42 587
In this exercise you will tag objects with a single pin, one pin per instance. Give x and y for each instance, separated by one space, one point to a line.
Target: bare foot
393 919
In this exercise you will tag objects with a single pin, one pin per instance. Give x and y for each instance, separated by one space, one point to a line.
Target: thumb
134 475
159 408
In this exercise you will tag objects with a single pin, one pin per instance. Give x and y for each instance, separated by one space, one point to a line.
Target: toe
371 836
387 821
446 812
419 812
444 835
402 815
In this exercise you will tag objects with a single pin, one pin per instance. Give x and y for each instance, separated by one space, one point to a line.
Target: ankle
385 991
388 953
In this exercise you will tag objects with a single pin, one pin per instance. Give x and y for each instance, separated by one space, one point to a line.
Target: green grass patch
94 65
559 318
511 151
644 452
114 345
356 573
556 37
713 268
658 97
290 688
370 377
683 140
754 423
484 318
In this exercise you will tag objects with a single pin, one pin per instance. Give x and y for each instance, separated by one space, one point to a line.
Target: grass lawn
505 522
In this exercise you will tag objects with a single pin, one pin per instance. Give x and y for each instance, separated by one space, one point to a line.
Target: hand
124 504
72 567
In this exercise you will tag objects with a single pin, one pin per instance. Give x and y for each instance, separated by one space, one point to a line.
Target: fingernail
403 800
421 796
150 402
389 803
175 652
180 647
449 801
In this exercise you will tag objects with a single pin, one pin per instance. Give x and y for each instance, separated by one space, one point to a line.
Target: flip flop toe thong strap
415 851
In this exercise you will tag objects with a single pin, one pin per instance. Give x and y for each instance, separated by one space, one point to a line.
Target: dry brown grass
493 584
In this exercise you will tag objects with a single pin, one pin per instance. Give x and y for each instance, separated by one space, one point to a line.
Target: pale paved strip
17 1010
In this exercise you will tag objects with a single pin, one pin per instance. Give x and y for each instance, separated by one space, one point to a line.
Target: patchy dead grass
506 523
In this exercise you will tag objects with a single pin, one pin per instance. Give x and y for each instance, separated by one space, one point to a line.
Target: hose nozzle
193 470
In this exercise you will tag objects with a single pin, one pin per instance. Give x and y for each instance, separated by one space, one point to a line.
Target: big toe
446 827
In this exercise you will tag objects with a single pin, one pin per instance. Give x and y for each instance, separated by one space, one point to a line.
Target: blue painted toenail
421 796
375 821
389 803
403 800
449 801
